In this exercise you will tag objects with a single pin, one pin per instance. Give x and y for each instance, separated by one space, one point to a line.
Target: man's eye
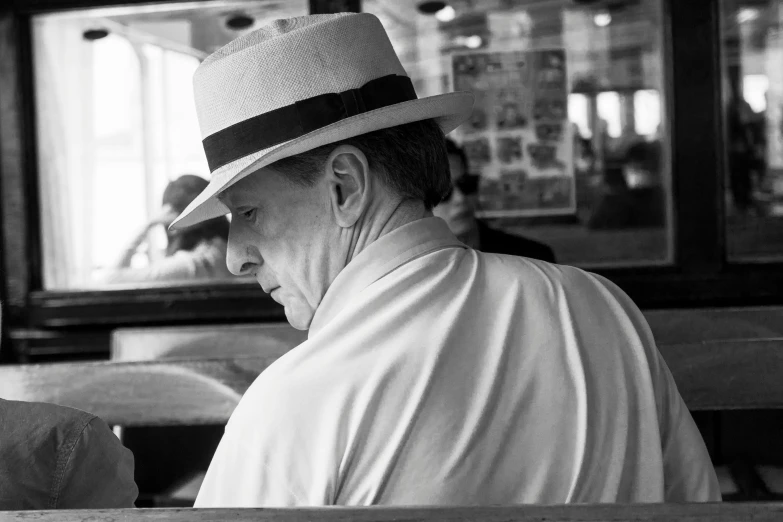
248 214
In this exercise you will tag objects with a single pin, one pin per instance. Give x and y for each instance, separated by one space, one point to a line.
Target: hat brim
448 110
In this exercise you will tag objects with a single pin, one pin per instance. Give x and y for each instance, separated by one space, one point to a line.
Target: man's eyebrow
224 198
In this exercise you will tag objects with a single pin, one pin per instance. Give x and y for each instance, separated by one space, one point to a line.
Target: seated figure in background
53 457
458 210
639 201
195 253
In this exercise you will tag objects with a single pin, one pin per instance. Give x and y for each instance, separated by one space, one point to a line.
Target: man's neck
381 220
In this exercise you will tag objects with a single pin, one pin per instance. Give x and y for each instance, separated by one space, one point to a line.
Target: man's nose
240 267
242 258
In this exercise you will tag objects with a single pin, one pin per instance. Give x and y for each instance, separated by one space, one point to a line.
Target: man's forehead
226 197
238 193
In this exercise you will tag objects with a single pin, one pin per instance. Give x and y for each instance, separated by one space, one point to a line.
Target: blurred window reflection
753 93
579 113
647 112
610 110
568 130
116 123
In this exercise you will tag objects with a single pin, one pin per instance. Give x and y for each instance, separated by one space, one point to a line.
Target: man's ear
349 182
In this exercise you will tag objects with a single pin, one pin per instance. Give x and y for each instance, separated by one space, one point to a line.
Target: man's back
447 376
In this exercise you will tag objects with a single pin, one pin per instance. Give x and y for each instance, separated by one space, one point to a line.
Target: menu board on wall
518 138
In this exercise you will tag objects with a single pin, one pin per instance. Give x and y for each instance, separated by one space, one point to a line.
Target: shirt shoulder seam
64 457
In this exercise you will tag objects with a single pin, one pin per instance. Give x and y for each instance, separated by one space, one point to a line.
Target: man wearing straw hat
432 373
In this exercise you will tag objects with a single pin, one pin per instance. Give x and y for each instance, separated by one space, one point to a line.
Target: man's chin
297 319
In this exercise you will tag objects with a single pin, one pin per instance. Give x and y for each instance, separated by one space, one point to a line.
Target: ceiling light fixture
239 21
747 14
95 34
447 14
473 42
431 7
602 19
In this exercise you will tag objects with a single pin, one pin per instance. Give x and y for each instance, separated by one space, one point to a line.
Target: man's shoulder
35 441
542 279
36 419
499 242
40 427
287 389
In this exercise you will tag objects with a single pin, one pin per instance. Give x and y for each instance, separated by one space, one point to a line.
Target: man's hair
409 159
453 148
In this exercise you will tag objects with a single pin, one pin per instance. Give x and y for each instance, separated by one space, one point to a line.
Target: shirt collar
383 256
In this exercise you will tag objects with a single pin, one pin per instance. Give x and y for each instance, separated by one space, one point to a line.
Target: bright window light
646 112
754 90
609 111
578 113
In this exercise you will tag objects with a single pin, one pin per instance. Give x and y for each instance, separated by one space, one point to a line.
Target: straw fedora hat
298 84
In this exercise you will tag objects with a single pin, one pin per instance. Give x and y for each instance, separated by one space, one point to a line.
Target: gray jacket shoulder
45 448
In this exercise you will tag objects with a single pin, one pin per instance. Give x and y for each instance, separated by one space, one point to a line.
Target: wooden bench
720 359
204 391
148 393
723 359
204 342
758 512
177 392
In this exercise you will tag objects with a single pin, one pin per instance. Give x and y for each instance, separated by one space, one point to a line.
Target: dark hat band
295 120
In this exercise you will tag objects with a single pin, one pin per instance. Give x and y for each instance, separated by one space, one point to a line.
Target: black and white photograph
391 260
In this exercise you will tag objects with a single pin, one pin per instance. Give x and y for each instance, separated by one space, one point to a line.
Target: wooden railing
720 360
758 512
710 376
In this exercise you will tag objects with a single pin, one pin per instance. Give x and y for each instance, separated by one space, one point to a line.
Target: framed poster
518 138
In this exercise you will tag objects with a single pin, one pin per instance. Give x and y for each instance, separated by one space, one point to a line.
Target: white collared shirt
436 374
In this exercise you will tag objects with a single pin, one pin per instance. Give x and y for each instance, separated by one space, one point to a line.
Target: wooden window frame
700 276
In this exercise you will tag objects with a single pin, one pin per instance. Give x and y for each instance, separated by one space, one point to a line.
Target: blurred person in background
458 210
637 199
54 457
746 152
197 252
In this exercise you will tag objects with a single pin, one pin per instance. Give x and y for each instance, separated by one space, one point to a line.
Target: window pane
647 112
753 94
568 130
116 123
610 110
117 147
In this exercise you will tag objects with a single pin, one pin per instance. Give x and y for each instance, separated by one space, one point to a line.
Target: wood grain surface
152 393
723 358
670 327
204 342
719 359
704 325
728 375
758 512
719 375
